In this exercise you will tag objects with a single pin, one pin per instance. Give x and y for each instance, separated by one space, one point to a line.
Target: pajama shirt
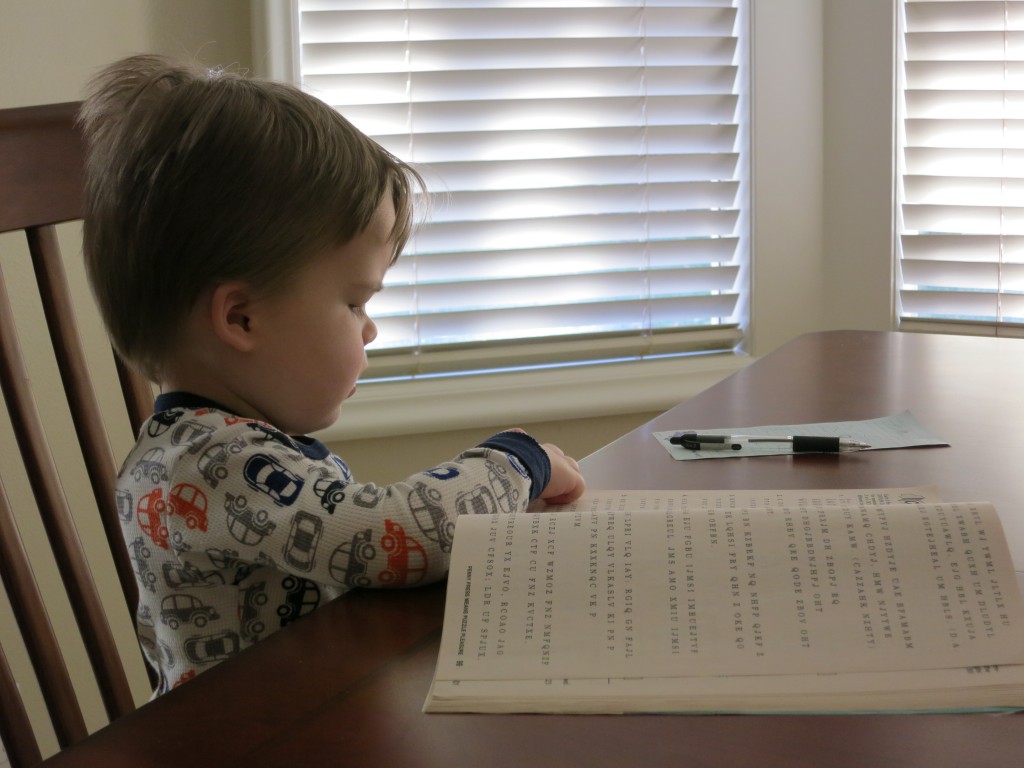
234 529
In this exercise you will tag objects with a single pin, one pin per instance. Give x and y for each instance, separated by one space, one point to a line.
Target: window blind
961 165
586 165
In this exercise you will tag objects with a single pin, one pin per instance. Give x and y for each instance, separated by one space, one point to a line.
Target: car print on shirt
166 655
430 517
505 493
125 504
139 554
210 648
267 434
265 474
247 525
192 433
253 598
222 558
346 473
228 558
150 514
303 538
161 421
369 496
231 420
187 575
407 560
187 501
479 501
303 597
151 465
212 465
443 473
330 492
348 563
179 608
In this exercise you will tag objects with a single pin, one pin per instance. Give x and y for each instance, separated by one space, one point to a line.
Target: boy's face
310 362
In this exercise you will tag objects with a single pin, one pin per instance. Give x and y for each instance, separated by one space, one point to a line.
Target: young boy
234 232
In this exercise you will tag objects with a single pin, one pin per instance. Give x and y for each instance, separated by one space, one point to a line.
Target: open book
753 601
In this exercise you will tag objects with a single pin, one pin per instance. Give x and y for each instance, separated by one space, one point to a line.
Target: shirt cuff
530 454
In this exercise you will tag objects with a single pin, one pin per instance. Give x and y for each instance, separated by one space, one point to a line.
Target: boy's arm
274 505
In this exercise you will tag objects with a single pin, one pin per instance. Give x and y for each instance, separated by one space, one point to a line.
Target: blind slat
970 276
608 257
497 23
964 247
552 201
508 234
591 144
525 114
518 84
552 290
321 59
531 352
598 317
575 171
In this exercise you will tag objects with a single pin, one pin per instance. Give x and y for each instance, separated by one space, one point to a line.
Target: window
587 164
961 166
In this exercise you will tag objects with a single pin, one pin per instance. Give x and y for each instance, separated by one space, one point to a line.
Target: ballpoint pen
801 443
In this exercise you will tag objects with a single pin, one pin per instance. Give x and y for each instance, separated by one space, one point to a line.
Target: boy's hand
566 482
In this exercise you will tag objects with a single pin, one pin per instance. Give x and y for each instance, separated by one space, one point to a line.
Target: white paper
899 431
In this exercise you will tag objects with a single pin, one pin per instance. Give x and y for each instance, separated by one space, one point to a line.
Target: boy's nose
369 331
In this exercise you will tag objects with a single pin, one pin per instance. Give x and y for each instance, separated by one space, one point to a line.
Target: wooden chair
41 159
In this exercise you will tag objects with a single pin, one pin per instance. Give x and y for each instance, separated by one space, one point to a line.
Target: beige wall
387 459
48 48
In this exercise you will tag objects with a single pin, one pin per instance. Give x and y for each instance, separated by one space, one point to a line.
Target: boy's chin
315 423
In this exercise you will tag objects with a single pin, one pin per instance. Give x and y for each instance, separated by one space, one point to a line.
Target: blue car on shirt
265 474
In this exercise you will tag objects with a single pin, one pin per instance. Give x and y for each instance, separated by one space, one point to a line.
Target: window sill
442 404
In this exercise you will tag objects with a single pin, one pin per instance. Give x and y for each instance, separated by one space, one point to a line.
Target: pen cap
815 445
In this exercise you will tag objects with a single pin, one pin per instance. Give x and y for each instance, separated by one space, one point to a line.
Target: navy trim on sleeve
530 454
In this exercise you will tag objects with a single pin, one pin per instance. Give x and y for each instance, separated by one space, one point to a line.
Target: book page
666 501
994 687
709 591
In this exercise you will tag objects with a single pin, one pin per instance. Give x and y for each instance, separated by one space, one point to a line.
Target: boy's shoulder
205 441
196 429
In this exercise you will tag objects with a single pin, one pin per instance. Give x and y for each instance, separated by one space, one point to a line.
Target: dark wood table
345 685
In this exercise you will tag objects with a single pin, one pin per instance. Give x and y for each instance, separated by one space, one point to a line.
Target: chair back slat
85 413
57 520
40 642
41 184
15 728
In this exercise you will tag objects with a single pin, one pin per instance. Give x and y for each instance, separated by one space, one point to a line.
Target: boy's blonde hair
195 177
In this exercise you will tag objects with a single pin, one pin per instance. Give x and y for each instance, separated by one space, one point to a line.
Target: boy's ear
230 305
